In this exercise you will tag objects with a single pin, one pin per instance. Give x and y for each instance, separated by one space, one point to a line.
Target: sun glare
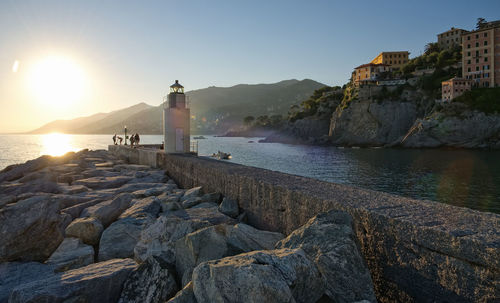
56 144
57 81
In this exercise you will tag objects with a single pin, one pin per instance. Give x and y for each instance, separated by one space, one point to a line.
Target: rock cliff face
304 131
467 130
368 123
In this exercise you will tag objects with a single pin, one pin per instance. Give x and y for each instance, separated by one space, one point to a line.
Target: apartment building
367 73
454 87
395 60
481 55
451 38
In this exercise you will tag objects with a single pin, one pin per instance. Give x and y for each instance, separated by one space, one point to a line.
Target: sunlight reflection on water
56 144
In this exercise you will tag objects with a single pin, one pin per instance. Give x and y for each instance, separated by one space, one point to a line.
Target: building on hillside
395 60
481 55
450 38
454 87
368 73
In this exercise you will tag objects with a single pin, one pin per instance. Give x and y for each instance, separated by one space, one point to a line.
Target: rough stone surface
158 239
149 206
206 205
471 129
13 274
120 238
229 207
219 241
261 276
109 211
186 295
89 230
99 282
211 215
149 283
329 241
191 193
71 254
103 182
31 229
191 201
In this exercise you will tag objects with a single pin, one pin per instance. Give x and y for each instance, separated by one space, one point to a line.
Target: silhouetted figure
132 140
120 139
137 139
114 139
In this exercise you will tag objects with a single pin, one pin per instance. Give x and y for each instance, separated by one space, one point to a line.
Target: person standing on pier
114 140
137 139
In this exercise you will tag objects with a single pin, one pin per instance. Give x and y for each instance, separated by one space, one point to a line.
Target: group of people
134 139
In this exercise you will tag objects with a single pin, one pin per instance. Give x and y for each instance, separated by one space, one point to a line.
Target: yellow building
395 60
368 73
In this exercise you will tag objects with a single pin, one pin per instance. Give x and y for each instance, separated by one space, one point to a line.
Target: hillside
92 124
215 109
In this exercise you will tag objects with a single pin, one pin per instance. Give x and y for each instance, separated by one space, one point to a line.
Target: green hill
215 109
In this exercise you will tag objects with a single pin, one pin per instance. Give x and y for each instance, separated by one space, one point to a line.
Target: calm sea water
467 178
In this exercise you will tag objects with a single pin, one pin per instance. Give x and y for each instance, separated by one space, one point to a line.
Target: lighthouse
176 132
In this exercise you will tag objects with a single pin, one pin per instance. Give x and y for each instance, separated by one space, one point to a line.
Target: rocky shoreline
88 227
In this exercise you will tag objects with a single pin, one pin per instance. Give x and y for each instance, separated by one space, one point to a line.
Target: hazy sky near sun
131 51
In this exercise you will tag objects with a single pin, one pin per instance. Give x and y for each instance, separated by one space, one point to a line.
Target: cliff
467 129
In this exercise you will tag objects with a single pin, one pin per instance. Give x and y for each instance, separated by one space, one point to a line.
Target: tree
481 22
431 48
248 120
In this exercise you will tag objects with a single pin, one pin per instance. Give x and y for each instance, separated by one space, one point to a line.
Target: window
485 34
468 54
468 61
468 38
485 50
477 53
468 70
485 43
487 75
477 44
477 60
485 59
477 36
477 68
468 45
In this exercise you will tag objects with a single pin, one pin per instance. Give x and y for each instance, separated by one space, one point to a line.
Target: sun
57 81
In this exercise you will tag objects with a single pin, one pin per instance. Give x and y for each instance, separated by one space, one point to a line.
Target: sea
466 178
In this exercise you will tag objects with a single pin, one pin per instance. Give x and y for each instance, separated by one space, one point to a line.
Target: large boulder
285 275
13 274
31 229
17 171
191 193
36 186
149 206
329 240
71 254
99 282
120 238
151 282
109 211
211 215
229 207
186 295
219 241
88 229
158 239
103 182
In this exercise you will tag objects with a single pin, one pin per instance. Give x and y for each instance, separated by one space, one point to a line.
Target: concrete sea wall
417 251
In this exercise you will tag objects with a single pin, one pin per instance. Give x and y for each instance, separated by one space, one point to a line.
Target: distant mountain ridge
215 109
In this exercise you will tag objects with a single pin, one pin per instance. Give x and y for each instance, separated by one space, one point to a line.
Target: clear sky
108 55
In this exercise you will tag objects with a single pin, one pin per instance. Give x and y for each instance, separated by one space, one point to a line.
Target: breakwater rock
88 227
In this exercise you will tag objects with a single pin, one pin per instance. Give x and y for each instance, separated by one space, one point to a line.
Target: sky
107 55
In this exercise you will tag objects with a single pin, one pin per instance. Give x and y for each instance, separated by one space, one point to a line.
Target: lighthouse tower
176 132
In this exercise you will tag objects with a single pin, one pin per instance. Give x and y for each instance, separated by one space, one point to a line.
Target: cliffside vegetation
486 100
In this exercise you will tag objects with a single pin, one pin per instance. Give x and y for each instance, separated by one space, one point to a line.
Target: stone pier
417 251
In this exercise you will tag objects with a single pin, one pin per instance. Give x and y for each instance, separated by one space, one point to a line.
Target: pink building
454 87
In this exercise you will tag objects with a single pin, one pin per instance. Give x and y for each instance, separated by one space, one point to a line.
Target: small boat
222 155
199 137
251 141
